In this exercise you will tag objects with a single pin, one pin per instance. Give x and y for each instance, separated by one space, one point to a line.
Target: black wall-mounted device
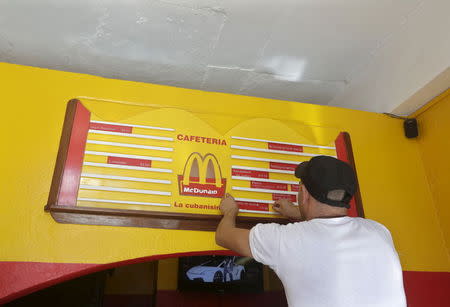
410 127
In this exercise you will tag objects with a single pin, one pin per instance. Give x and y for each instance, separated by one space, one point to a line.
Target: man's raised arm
227 234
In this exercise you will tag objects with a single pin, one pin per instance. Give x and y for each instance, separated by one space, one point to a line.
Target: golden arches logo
202 176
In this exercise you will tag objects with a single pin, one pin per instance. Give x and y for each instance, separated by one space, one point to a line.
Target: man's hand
227 234
228 205
287 209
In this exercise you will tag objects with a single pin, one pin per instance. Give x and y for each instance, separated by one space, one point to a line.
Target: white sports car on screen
217 270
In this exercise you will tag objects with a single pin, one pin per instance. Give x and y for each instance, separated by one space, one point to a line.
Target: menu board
169 168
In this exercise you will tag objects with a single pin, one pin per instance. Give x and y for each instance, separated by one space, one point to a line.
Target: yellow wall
434 145
393 183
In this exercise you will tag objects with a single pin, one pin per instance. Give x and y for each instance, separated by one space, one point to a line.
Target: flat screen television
221 274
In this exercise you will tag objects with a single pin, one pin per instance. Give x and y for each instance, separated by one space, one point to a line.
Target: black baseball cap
328 180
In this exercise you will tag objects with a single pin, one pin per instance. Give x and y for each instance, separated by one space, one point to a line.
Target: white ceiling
372 55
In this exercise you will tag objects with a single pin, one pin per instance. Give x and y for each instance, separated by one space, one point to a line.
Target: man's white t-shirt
339 262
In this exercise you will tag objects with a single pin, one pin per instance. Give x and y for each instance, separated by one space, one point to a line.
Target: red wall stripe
423 289
121 300
427 289
21 278
171 298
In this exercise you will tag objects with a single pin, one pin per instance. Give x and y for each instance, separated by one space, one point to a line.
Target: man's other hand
228 205
287 209
227 234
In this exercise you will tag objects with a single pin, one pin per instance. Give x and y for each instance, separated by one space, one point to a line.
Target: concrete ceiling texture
380 56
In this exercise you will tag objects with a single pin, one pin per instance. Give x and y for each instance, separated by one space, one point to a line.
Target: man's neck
323 211
330 216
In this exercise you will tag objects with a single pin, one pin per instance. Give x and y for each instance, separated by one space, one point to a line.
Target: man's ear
305 195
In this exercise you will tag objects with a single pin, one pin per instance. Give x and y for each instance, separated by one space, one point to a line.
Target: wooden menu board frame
62 201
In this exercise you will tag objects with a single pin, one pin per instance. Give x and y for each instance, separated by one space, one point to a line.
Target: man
328 259
228 269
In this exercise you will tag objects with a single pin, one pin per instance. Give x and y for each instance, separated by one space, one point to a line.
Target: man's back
332 262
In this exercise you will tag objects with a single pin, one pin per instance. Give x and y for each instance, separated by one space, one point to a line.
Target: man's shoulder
308 224
282 228
372 223
349 222
376 227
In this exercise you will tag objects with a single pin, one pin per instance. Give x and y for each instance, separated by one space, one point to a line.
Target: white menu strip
265 159
277 142
262 169
263 201
264 191
131 125
274 151
256 211
139 136
113 154
264 180
139 168
101 176
114 189
126 202
129 145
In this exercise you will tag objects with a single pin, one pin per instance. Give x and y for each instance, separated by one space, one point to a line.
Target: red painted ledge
21 278
430 289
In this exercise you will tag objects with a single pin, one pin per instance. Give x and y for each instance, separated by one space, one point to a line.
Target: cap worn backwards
328 180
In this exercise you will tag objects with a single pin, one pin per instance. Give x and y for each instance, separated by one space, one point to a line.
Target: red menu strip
292 198
129 161
249 173
246 205
282 166
109 127
295 187
285 147
268 185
